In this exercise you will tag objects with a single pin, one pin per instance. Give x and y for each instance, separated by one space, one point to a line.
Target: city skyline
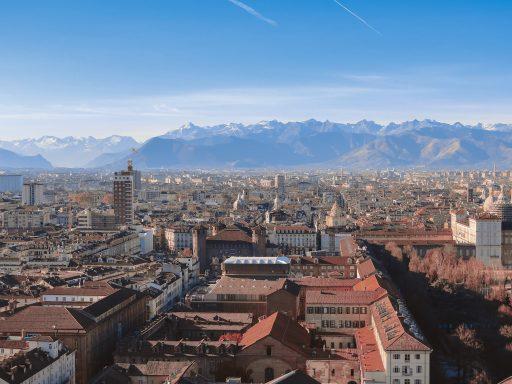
141 70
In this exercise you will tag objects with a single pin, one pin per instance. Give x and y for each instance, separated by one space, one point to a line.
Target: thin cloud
253 12
357 17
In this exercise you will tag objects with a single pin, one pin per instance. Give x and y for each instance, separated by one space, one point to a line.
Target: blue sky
143 67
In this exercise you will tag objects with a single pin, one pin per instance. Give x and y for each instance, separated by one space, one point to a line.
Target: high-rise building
11 183
32 194
124 191
279 185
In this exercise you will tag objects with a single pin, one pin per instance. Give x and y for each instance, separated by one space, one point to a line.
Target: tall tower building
279 185
32 194
124 190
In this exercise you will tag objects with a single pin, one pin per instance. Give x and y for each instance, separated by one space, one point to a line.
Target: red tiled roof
369 356
281 328
88 290
392 332
231 234
366 268
39 319
376 284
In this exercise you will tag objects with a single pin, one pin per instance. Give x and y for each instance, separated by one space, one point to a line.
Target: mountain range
12 160
69 151
312 143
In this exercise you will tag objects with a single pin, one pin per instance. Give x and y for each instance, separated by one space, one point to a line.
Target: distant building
280 186
481 231
96 220
11 183
32 194
124 195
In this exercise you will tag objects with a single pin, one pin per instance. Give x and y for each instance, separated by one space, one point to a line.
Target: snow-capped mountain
365 144
70 151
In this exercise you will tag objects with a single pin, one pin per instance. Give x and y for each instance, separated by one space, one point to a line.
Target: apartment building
482 231
178 238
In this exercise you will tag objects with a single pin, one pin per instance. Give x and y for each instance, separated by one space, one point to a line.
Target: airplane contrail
253 12
357 17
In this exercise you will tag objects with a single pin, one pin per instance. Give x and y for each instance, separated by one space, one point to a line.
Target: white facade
482 232
294 237
178 238
146 241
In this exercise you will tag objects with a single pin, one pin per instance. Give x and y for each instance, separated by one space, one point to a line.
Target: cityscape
266 192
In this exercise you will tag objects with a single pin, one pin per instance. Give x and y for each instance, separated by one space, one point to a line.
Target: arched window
269 374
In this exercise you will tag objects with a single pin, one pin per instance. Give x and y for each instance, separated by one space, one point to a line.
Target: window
407 381
418 369
407 357
352 372
396 381
417 381
347 310
333 372
417 356
269 350
332 345
310 310
396 369
396 356
269 374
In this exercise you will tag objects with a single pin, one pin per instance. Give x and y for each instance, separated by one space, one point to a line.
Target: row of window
406 370
407 356
343 324
337 310
406 381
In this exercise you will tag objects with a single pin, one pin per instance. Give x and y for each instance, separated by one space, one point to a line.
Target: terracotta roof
88 290
39 319
377 284
369 355
281 328
366 268
231 234
228 285
393 333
